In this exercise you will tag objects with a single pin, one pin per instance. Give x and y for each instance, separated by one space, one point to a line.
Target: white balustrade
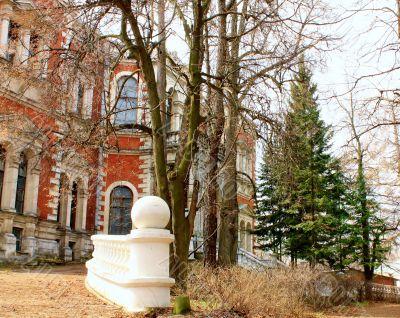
111 254
133 270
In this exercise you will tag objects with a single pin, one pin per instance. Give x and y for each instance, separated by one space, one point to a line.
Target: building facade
58 183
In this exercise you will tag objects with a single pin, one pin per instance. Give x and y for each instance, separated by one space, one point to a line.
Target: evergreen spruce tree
303 194
272 220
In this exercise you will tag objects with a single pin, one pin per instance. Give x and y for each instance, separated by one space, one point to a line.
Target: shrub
328 289
270 293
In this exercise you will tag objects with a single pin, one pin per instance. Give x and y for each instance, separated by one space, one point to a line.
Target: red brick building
58 183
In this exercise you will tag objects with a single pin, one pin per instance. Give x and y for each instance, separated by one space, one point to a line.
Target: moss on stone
181 305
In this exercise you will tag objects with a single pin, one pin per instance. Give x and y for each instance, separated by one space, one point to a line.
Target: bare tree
377 231
216 123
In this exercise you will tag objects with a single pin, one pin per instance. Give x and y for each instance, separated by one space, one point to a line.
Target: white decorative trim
107 194
56 169
51 217
55 181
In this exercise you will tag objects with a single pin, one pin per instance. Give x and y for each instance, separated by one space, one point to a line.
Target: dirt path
376 310
50 291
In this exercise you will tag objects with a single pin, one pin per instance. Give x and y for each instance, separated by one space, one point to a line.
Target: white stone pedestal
133 270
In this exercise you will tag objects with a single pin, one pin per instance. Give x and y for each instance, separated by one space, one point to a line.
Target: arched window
74 204
126 108
21 183
121 200
2 167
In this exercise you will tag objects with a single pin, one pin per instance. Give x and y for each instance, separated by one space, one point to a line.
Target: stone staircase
251 261
244 258
20 258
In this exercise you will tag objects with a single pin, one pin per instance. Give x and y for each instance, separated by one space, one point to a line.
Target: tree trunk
396 140
398 18
216 128
228 234
161 62
147 67
181 231
177 181
364 213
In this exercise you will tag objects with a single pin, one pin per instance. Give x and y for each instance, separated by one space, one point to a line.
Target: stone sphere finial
150 212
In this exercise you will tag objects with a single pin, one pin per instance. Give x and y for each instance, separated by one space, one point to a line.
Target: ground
50 291
59 291
377 310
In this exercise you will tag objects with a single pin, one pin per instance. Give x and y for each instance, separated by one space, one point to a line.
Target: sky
358 55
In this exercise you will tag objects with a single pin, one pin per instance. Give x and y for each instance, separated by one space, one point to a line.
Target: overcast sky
358 55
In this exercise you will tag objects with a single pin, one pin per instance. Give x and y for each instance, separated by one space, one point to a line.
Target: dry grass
273 293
